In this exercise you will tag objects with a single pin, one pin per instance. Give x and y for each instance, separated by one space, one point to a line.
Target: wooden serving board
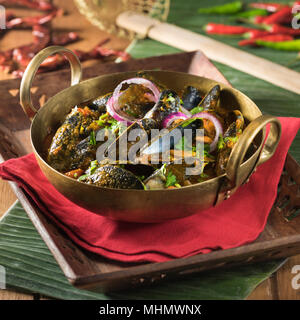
281 237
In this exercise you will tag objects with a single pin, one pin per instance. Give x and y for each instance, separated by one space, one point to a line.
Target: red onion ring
217 124
110 109
113 107
172 117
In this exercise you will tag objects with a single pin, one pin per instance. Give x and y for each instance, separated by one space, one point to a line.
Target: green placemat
30 265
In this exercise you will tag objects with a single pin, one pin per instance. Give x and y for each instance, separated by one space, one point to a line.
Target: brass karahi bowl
146 205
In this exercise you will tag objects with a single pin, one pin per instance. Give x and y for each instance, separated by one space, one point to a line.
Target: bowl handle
267 148
29 74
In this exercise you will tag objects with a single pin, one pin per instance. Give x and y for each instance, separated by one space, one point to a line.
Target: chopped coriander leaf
196 110
203 176
94 163
170 99
83 177
93 138
171 179
231 139
103 116
206 149
221 143
187 122
93 166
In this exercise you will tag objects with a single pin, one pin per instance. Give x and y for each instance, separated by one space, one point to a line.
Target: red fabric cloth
235 222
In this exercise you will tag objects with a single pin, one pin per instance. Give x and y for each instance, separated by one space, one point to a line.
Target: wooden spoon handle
190 41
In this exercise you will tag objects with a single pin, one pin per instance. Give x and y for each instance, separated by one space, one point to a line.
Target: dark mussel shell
67 137
110 176
169 140
191 98
168 103
99 104
210 101
233 131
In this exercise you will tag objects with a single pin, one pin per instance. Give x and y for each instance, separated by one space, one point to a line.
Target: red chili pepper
258 19
271 7
214 28
276 28
281 16
270 37
255 33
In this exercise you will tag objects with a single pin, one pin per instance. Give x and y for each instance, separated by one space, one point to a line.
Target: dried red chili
31 21
32 4
64 38
16 60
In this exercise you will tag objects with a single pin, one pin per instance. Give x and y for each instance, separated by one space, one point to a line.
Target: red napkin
237 221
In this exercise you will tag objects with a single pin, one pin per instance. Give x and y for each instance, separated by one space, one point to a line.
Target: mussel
78 125
168 103
111 176
230 138
210 101
191 98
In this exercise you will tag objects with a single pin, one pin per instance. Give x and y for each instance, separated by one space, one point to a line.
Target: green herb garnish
93 167
231 139
171 179
93 141
83 177
196 110
170 98
221 142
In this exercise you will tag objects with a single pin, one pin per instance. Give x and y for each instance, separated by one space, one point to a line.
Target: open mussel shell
168 103
168 138
210 101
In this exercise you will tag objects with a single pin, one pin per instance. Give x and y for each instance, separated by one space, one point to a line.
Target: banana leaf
31 267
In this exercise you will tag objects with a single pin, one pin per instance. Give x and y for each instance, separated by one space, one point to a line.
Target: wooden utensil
186 40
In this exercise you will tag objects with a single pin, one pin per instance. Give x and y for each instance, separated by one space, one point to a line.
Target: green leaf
93 138
171 179
197 110
31 267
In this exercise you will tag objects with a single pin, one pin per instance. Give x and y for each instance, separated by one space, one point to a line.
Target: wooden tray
281 237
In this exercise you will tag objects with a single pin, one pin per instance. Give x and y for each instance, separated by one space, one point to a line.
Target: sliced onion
217 124
141 81
113 107
172 117
110 109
